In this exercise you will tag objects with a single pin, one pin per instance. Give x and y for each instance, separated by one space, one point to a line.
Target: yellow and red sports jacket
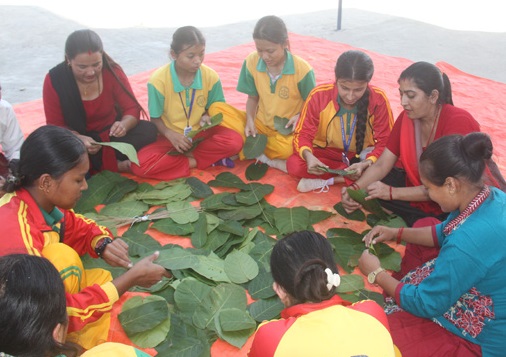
25 231
319 125
329 328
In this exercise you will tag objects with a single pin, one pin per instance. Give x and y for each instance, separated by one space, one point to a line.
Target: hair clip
333 279
12 179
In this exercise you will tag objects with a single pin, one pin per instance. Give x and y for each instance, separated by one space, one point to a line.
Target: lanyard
189 112
347 141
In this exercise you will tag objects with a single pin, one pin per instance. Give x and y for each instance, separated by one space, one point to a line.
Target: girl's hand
116 254
293 122
147 272
313 163
368 262
180 142
250 128
349 204
92 147
205 120
359 168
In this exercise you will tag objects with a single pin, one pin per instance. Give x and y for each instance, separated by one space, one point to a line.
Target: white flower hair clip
333 279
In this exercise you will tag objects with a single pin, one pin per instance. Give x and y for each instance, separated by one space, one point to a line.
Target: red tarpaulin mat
483 98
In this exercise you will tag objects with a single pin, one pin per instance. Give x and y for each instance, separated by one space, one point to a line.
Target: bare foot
124 166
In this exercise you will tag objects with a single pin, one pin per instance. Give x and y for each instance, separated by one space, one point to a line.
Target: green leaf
289 220
349 283
280 125
215 120
233 227
357 215
228 179
190 294
140 314
392 221
199 189
372 206
199 235
128 209
266 309
223 296
175 257
215 202
211 267
240 267
103 188
261 286
316 216
234 326
125 148
344 233
391 261
337 171
195 143
256 193
167 225
254 146
140 244
256 170
182 212
240 213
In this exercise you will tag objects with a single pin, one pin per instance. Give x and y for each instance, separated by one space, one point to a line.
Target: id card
186 132
345 159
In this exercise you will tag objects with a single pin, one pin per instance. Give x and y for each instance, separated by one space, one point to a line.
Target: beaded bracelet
399 235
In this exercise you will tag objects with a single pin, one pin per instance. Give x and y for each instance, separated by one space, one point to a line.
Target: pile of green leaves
231 236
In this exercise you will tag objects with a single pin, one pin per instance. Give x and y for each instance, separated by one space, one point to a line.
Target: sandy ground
33 33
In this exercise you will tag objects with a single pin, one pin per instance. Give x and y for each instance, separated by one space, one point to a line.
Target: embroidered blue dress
464 288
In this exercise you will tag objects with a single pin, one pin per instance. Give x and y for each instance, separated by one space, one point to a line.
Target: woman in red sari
428 114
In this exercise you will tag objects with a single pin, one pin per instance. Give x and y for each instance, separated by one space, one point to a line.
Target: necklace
471 207
85 89
434 126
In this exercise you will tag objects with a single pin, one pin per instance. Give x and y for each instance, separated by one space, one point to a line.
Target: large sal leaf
199 235
336 171
240 213
234 326
316 216
176 258
254 146
255 171
256 193
215 120
240 267
346 250
140 314
344 233
103 188
261 286
167 225
280 125
266 309
140 244
349 283
392 220
372 206
129 209
228 179
190 294
182 212
125 148
215 202
199 189
289 220
211 267
222 296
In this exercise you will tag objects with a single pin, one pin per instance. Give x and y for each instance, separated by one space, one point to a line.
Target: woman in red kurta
89 94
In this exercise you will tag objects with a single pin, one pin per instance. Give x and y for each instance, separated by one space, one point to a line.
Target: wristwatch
102 243
371 278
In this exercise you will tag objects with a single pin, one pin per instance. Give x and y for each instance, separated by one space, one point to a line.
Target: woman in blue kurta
454 304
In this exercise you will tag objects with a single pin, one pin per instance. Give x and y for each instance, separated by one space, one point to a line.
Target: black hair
458 156
428 77
185 37
32 302
88 41
271 28
49 150
298 264
356 65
